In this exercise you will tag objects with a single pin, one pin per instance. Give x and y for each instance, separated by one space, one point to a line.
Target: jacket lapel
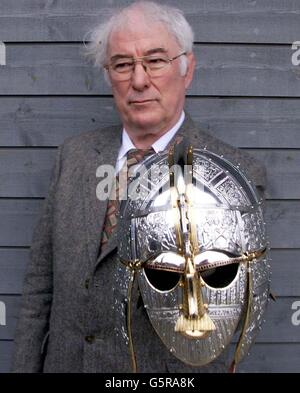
103 152
195 135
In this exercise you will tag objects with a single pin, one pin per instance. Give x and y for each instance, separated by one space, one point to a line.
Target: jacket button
89 339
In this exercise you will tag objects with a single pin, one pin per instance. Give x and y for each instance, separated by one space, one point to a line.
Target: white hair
171 17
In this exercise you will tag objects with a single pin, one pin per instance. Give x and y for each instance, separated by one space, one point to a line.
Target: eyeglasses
122 68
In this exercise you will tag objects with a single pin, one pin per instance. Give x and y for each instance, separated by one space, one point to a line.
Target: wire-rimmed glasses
155 65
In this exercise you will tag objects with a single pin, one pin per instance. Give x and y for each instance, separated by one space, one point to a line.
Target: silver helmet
192 232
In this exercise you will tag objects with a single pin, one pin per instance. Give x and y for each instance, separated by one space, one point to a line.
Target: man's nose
140 79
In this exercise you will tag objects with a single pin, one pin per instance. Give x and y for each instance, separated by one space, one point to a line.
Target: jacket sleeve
36 302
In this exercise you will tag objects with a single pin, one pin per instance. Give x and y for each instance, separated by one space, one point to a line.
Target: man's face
148 105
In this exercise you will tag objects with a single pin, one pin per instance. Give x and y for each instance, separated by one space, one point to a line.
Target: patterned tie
134 157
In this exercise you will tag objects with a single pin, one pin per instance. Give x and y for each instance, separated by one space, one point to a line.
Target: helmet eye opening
160 280
219 277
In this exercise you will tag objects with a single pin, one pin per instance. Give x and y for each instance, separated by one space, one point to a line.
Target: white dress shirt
157 146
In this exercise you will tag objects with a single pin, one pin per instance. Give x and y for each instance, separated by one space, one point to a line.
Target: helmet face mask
195 240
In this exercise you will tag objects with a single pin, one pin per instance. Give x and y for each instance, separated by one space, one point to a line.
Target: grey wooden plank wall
246 91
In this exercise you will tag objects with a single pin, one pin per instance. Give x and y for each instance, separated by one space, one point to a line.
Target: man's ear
190 69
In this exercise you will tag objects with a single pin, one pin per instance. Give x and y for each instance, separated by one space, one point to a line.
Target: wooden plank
242 70
283 172
18 217
28 168
272 358
222 70
13 264
47 121
212 21
12 306
268 358
285 272
49 69
17 221
283 223
278 326
284 265
6 348
257 122
25 172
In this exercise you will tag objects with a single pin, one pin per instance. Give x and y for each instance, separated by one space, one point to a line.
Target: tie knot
135 156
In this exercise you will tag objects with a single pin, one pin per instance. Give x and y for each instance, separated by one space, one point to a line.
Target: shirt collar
157 146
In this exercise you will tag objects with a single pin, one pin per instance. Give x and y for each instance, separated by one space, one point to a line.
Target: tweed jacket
67 317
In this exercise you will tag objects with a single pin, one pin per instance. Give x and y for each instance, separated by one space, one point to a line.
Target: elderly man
67 321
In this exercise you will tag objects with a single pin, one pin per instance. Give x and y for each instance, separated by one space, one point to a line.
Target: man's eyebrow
147 53
155 50
120 56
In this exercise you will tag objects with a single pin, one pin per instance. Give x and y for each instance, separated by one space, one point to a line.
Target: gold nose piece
199 327
194 320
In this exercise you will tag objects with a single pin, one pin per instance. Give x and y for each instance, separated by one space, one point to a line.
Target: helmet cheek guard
192 232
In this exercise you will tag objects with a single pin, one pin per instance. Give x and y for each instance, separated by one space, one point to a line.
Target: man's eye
124 65
157 61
